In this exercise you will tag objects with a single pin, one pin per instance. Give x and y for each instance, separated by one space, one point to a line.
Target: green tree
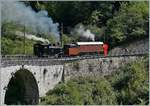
66 39
103 93
64 94
131 83
81 91
130 22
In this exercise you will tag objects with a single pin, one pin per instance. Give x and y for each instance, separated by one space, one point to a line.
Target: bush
131 83
65 94
103 93
84 91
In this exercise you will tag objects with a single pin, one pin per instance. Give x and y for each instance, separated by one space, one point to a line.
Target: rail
35 58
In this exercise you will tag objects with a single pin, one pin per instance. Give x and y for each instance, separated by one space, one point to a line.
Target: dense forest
127 86
115 22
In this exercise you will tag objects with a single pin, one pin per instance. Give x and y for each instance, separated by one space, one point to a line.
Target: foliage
127 86
95 12
64 93
81 91
13 44
131 83
66 39
113 21
103 93
130 22
16 46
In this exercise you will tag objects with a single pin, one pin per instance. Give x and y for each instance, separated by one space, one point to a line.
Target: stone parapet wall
96 67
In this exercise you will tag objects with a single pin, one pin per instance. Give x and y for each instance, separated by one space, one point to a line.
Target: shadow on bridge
22 89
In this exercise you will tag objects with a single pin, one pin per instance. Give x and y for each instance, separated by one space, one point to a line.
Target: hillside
15 46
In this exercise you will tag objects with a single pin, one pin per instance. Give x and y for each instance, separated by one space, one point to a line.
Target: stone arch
22 89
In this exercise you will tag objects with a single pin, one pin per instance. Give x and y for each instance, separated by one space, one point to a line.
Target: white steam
32 37
81 31
21 14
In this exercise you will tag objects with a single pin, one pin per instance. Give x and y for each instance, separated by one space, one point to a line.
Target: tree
103 93
131 83
130 22
71 13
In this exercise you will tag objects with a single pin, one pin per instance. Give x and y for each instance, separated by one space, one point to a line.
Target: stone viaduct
30 78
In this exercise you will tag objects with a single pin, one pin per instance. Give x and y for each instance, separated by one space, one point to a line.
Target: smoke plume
32 37
81 31
21 14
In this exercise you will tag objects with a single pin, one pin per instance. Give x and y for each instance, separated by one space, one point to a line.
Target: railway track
117 53
31 57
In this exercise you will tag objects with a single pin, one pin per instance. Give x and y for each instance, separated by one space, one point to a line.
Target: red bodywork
90 48
74 51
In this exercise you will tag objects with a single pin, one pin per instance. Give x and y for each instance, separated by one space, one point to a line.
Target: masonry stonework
47 75
96 67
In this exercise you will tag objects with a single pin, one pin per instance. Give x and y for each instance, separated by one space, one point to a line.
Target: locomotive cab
41 49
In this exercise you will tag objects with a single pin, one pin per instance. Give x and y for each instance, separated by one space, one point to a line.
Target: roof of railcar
90 43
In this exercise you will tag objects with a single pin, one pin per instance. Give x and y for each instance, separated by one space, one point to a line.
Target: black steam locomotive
41 50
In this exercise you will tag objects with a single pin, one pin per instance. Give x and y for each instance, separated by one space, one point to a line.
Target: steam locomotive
74 49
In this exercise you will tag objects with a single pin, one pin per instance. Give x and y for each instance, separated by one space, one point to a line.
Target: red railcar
71 50
80 48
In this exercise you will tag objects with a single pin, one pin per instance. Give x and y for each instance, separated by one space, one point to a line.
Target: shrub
103 93
131 83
